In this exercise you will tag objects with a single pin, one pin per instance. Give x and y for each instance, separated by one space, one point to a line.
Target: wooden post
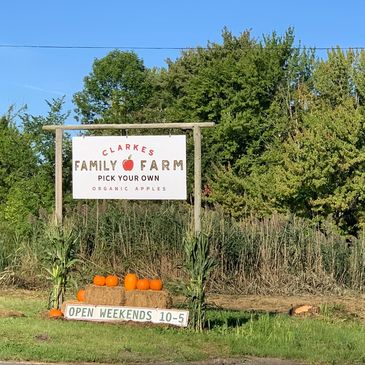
197 180
58 176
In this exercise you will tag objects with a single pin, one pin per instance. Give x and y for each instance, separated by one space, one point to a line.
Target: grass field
329 338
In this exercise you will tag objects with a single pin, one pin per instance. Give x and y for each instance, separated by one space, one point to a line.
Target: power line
153 48
49 46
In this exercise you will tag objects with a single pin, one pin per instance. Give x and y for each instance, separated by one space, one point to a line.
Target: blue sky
32 75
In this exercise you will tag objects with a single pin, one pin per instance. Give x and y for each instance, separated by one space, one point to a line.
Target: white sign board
135 167
100 313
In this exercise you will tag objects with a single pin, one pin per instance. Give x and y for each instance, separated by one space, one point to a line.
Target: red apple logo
128 164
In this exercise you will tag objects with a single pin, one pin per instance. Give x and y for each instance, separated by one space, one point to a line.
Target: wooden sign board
135 167
104 313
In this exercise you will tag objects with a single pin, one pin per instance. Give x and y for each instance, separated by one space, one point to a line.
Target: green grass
317 340
324 339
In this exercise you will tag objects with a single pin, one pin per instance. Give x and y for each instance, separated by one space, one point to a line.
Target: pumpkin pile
131 282
99 280
133 291
110 280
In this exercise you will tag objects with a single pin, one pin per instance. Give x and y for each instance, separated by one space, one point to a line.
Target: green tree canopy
315 169
117 88
17 167
289 128
27 164
237 85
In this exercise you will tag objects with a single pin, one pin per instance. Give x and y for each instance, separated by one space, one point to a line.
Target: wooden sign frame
196 127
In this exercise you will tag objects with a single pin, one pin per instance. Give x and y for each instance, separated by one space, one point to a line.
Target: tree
117 88
248 88
43 146
234 85
315 170
27 163
322 168
17 170
333 80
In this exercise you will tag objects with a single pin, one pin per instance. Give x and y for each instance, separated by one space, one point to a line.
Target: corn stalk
199 265
61 260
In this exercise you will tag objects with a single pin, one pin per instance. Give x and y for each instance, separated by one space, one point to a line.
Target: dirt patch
4 313
269 361
353 304
244 361
43 337
23 293
282 304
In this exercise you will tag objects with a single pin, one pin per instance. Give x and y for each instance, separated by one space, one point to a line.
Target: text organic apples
128 164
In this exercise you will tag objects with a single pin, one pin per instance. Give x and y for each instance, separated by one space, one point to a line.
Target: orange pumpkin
55 313
81 295
130 281
156 284
143 284
99 280
111 280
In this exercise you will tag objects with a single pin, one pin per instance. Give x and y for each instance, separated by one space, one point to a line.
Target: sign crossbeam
130 126
196 127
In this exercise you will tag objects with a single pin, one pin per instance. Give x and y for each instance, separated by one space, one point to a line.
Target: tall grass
280 254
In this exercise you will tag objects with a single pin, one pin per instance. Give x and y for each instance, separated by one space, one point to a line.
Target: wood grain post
197 180
58 176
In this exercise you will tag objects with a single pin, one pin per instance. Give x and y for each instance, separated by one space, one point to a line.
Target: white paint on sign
100 313
135 167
